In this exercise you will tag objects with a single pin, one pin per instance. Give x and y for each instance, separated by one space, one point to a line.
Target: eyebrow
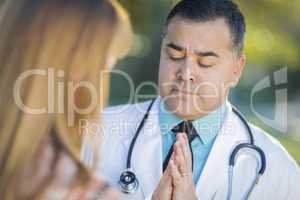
175 46
199 53
208 53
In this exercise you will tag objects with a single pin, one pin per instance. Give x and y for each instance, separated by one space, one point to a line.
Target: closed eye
176 58
206 62
205 66
175 54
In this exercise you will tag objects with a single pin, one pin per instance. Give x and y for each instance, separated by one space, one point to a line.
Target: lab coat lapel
147 152
213 180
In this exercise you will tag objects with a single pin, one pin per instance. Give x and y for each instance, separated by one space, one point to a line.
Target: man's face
198 65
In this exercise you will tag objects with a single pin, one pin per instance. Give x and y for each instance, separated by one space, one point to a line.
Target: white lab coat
281 180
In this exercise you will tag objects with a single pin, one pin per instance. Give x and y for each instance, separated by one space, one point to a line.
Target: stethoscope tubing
141 125
250 145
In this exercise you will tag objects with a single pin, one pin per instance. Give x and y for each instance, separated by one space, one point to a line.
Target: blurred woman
51 54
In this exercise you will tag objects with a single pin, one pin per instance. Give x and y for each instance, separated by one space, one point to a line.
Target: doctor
184 144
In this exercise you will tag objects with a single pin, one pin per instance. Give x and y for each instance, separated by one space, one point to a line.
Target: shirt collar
207 127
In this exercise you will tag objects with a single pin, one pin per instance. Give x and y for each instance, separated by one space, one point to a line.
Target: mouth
183 92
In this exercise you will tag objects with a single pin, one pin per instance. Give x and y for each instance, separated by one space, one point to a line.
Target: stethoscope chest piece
128 182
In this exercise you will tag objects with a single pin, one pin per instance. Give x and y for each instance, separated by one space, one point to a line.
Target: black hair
208 10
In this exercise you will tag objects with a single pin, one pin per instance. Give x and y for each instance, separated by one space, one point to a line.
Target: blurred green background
272 43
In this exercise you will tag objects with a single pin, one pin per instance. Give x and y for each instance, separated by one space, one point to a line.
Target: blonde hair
73 38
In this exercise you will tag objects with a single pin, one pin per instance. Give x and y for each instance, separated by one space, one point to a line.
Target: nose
187 71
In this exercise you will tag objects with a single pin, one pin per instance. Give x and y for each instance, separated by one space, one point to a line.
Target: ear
238 69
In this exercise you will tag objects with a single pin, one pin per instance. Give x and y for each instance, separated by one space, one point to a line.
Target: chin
185 108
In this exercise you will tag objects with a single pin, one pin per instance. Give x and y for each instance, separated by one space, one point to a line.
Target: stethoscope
129 182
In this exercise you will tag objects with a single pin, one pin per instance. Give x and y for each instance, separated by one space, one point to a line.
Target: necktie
183 127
